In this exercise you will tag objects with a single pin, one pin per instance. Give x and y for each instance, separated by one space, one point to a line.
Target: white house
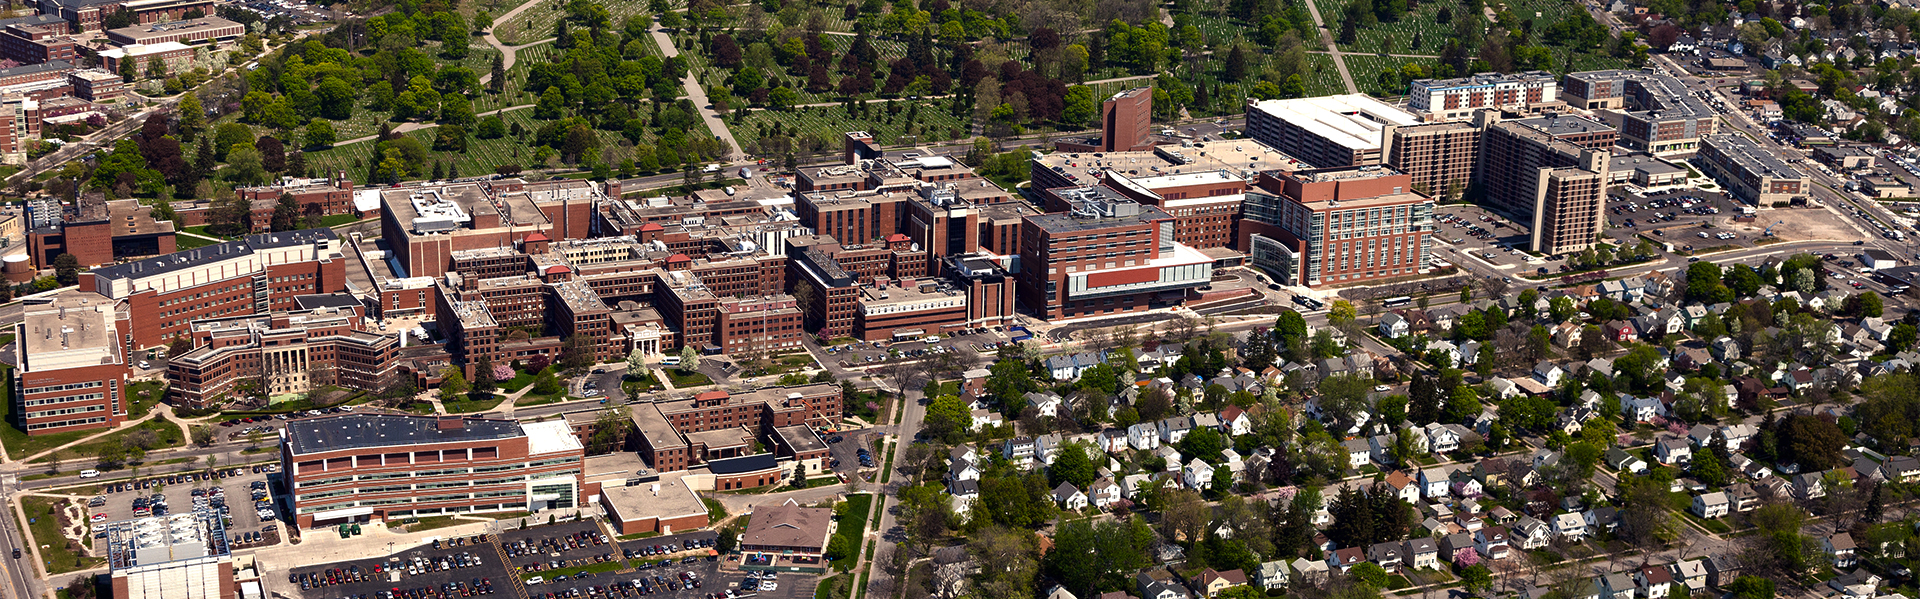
1393 325
1641 409
1235 421
1672 450
1358 452
1711 505
1174 428
1143 436
1070 497
1198 474
1570 526
1434 483
1047 403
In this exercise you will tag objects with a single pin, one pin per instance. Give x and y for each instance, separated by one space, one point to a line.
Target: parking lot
457 569
845 452
1689 219
871 353
1474 233
181 493
564 545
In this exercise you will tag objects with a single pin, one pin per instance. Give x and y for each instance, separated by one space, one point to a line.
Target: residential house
1174 428
1271 576
1601 519
1641 409
1531 533
1308 571
1691 574
1210 582
1617 585
1672 450
1722 570
1840 546
1548 373
1492 542
1620 331
1143 436
1434 483
1020 451
1422 553
1393 325
1070 497
1901 468
1103 493
1711 505
1235 422
1345 559
1387 555
1381 449
1403 486
1807 485
1654 581
1736 436
1570 526
1160 584
1743 498
1112 440
1358 452
1198 474
1441 439
1622 461
964 493
1060 592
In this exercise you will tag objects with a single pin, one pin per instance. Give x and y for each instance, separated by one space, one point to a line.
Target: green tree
453 384
1205 443
1371 574
320 134
1463 404
1341 313
66 269
1072 466
1080 108
947 418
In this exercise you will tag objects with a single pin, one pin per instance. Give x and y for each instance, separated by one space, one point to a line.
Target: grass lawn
432 522
1367 68
505 515
60 554
853 525
337 220
481 157
682 379
1716 526
716 511
833 587
530 400
202 230
166 433
470 405
1396 37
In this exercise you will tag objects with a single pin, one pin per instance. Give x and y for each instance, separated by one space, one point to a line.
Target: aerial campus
596 299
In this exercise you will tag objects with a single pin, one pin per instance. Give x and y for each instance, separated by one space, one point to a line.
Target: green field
471 406
1324 79
536 23
166 433
853 526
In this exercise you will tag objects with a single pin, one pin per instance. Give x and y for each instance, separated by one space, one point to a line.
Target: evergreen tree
1423 402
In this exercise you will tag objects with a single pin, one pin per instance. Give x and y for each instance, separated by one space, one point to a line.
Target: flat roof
1110 210
667 498
76 329
897 294
800 438
551 436
1351 120
1566 124
726 437
1751 157
1661 97
653 425
357 431
186 259
158 540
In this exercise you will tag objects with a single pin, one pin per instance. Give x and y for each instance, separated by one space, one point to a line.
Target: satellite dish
914 247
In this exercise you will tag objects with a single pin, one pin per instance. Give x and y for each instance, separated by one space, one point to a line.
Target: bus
1395 302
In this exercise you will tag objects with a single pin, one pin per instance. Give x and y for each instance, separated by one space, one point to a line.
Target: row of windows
63 399
53 388
66 411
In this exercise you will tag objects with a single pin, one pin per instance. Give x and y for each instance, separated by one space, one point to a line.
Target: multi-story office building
1439 156
1106 255
354 467
1456 99
1338 226
321 342
1533 174
256 275
1655 113
835 273
1752 172
26 43
1328 131
426 225
72 355
185 32
680 434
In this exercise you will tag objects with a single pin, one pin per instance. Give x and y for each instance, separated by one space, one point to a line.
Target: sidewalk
159 409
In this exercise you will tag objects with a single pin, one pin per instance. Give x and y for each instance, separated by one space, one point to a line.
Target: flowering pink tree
1465 557
1658 422
502 372
1677 427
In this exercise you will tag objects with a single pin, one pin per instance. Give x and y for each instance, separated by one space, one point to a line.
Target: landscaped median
600 568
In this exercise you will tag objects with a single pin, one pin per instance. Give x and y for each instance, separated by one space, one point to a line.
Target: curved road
506 50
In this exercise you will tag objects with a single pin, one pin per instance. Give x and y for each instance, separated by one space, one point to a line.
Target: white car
768 587
1381 388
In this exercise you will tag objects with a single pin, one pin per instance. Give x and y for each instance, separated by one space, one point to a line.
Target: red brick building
257 275
288 352
72 364
677 435
355 467
1107 255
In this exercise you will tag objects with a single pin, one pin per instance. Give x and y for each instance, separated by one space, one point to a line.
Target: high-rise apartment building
1440 157
1655 113
1530 172
1456 99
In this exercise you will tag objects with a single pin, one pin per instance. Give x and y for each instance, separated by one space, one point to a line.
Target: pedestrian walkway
699 98
159 410
1333 50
